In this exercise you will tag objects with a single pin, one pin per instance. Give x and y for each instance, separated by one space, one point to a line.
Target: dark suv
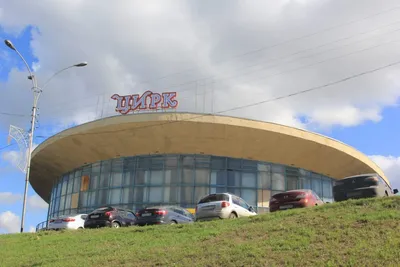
110 217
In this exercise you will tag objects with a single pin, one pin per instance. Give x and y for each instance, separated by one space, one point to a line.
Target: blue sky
137 44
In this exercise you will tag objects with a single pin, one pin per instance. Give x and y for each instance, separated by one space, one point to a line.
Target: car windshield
214 197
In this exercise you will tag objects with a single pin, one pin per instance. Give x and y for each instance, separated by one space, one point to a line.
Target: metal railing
41 226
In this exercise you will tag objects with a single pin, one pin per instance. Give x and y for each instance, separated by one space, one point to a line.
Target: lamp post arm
34 82
55 74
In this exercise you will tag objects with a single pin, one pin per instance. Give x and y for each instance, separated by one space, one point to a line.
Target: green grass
353 233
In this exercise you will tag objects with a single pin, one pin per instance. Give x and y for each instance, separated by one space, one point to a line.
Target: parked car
361 186
299 198
222 206
110 217
67 222
163 215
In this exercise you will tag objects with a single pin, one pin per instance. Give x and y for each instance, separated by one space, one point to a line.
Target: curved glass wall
136 182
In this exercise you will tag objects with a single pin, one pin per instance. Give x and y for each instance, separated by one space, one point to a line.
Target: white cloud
9 222
390 166
11 156
143 40
9 198
36 203
15 157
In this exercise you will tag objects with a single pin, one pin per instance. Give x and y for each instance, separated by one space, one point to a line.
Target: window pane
233 178
94 182
188 161
62 203
116 179
115 196
327 189
316 186
77 183
186 195
263 167
102 197
263 198
203 162
174 194
140 194
68 202
57 205
96 168
234 164
141 177
156 177
304 183
167 191
92 199
200 192
64 186
171 176
78 173
129 177
127 195
249 195
218 177
74 200
83 198
249 179
104 179
157 163
155 194
171 162
59 188
291 183
264 180
250 165
218 163
202 176
278 181
187 176
277 168
144 162
70 183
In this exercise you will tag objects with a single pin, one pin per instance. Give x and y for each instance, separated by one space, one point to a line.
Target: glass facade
136 182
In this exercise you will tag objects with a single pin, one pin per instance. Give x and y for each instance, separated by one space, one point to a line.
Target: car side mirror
251 208
395 191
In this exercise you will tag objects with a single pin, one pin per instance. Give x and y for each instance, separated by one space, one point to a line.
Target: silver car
222 206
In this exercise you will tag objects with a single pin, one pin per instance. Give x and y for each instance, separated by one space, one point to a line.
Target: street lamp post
36 94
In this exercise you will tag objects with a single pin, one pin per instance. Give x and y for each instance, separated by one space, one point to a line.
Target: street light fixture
36 93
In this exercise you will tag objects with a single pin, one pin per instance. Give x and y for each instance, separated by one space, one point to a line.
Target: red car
299 198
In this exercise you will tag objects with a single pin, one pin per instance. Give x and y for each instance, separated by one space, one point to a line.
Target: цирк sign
148 100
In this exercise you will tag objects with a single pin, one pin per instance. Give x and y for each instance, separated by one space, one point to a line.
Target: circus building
152 158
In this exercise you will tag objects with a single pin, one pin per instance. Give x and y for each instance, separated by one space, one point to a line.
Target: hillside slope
353 233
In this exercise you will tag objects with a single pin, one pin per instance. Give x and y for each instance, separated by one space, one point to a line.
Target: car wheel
173 222
232 215
115 225
79 228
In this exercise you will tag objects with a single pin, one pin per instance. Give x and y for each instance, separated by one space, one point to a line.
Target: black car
163 215
110 217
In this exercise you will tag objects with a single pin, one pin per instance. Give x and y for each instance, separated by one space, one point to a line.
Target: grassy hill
353 233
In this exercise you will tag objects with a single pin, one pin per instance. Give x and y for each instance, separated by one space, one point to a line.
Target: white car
223 206
67 222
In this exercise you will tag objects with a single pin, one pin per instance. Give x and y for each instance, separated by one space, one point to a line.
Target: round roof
189 133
